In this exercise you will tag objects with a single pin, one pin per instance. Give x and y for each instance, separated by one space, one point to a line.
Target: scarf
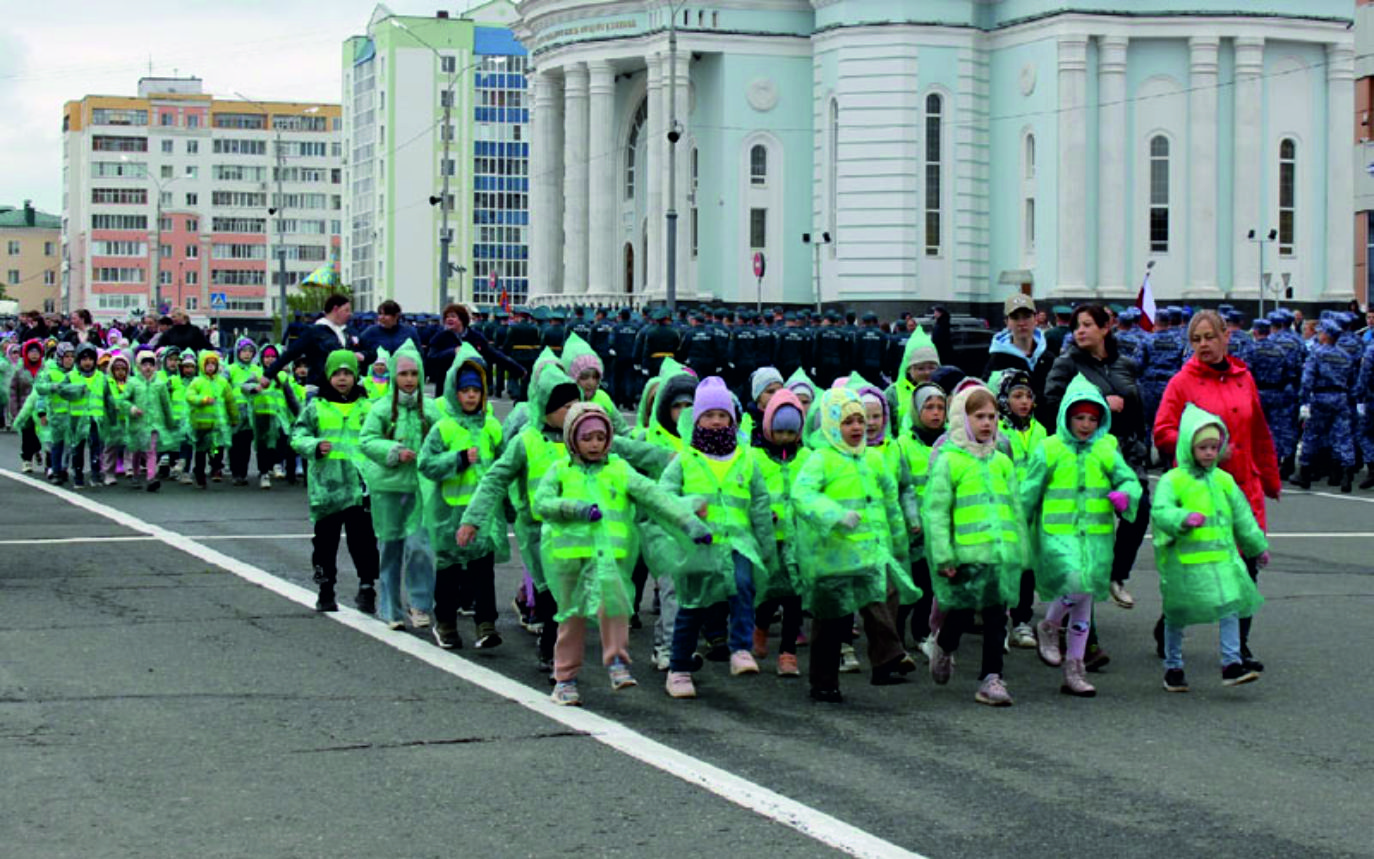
715 442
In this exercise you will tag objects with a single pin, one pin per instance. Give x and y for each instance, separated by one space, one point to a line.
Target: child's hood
384 358
799 380
778 400
407 352
578 357
467 359
835 405
578 414
862 387
547 375
1194 419
960 433
32 366
240 345
920 349
1080 390
207 356
672 387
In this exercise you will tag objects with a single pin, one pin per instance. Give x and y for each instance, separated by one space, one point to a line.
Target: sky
59 50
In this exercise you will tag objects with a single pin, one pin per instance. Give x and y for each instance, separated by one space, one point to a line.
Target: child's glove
1305 413
704 540
1119 501
851 520
1194 520
593 513
1263 559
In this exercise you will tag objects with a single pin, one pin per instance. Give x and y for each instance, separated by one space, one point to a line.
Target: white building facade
951 152
199 193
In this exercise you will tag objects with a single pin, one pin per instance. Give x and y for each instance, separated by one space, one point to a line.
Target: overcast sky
52 51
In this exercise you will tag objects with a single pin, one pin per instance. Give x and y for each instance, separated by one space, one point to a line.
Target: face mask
715 442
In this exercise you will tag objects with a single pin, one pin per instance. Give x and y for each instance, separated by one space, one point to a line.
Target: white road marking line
49 541
812 823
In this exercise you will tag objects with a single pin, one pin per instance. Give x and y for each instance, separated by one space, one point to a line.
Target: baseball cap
1017 301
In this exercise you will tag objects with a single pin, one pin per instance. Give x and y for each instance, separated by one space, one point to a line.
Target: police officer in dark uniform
660 340
497 338
870 349
624 334
834 350
554 334
794 346
743 354
698 347
721 329
582 326
522 345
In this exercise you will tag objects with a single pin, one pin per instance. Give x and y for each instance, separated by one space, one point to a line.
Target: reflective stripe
614 532
728 499
339 424
984 510
457 489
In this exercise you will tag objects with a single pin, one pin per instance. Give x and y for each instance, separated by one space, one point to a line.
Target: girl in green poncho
458 451
149 411
1076 484
913 454
1024 435
116 448
780 455
392 434
211 410
975 538
588 502
584 367
851 536
1199 516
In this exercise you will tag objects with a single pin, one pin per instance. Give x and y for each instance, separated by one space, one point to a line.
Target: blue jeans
690 621
1229 630
413 557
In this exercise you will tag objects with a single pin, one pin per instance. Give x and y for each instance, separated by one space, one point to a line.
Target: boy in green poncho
920 360
211 409
267 417
54 413
378 380
914 448
852 547
149 411
1076 484
458 451
975 539
584 367
590 542
392 435
1024 435
116 448
527 457
243 373
187 370
90 409
1199 516
325 435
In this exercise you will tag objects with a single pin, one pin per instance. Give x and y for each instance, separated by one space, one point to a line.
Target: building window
13 277
1288 195
12 246
192 301
693 224
636 129
191 171
1030 225
193 225
50 278
192 121
934 132
192 251
1030 156
167 147
758 165
758 229
1159 194
49 249
446 98
832 190
167 119
448 64
193 146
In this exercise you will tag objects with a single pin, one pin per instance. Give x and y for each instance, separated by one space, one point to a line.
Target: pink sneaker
680 685
1047 644
787 665
742 662
993 692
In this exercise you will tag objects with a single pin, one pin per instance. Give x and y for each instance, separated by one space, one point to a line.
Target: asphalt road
152 704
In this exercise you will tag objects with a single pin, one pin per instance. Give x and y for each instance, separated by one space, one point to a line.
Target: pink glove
1194 520
594 513
1264 559
1119 501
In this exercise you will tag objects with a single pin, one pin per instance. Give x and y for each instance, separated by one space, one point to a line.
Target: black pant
791 620
29 445
1129 536
287 457
920 611
216 459
476 582
545 607
639 577
1022 612
960 620
1251 567
362 543
240 451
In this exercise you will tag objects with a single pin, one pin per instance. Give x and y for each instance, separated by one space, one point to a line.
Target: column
653 172
1202 166
546 216
601 156
1113 221
684 218
1247 167
575 178
1340 178
1073 166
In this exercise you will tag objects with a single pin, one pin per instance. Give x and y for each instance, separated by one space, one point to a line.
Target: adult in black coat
316 342
183 334
444 346
942 336
388 333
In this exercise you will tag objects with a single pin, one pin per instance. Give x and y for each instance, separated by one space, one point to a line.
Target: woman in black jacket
1093 352
444 345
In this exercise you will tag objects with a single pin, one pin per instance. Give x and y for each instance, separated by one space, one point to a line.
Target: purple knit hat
712 394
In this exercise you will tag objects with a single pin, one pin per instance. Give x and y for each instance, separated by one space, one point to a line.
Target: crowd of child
938 502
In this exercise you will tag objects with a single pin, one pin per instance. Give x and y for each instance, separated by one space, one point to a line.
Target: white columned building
601 152
575 208
1112 226
1246 165
1340 119
1202 167
1073 165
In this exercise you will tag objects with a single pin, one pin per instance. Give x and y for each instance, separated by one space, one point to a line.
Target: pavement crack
451 741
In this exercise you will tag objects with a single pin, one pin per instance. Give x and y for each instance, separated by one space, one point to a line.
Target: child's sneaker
849 660
366 601
446 636
1236 673
419 619
487 636
396 625
787 665
565 693
719 651
1121 596
993 692
325 601
26 467
760 642
217 475
110 480
1174 681
620 675
661 657
927 647
1023 637
1096 658
679 685
278 472
742 662
154 486
185 478
941 664
265 482
1047 644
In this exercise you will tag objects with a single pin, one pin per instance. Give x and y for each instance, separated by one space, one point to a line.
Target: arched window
1288 195
758 165
934 130
834 172
636 129
694 163
1030 157
1159 194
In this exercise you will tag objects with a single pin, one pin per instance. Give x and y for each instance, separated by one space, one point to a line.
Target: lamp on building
816 241
1253 236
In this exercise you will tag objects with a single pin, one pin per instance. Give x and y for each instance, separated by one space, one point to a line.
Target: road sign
219 301
760 264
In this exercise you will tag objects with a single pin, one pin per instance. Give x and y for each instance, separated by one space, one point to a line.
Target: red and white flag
1146 302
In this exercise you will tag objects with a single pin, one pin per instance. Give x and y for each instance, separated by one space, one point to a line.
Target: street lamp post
816 240
674 135
1262 241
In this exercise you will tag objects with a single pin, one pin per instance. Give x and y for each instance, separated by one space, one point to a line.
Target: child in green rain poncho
1076 484
90 405
920 360
114 455
267 417
590 541
53 410
584 367
9 365
723 482
392 434
914 449
325 434
1024 435
211 409
243 373
527 457
149 410
975 538
853 547
378 380
458 451
187 370
1199 517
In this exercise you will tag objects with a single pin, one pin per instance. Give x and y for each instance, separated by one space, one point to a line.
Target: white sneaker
27 467
661 655
1023 637
419 619
849 662
111 480
279 472
927 647
176 471
185 478
265 482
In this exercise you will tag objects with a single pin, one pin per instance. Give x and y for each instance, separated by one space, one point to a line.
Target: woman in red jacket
1222 385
